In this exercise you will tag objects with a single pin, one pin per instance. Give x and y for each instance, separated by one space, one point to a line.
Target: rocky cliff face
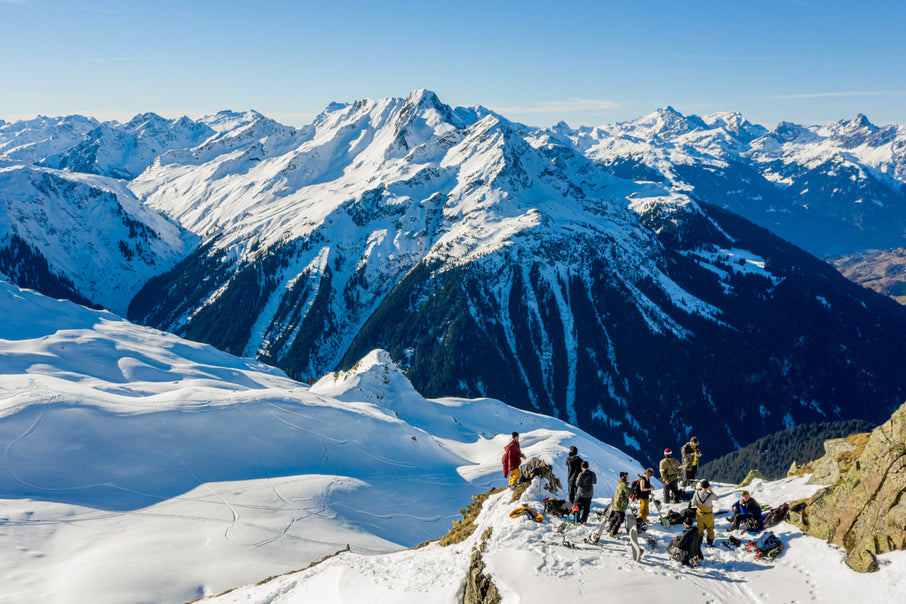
865 511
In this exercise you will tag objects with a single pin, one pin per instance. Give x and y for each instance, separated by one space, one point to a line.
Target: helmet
667 452
704 484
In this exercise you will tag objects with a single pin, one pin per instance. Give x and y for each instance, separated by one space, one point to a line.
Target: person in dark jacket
619 504
585 490
573 467
512 455
687 549
691 453
746 506
645 488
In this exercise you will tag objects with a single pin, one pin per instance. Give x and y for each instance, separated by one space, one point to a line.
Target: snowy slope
89 230
526 565
141 467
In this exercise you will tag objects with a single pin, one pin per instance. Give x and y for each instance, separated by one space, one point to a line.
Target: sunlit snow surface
528 566
141 467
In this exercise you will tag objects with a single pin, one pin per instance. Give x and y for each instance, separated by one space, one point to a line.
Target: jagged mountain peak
666 121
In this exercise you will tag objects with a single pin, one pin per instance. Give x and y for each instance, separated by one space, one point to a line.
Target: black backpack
556 507
752 524
776 515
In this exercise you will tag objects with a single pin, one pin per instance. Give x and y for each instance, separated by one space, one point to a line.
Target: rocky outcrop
479 588
865 511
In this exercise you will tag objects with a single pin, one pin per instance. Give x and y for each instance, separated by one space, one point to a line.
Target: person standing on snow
691 453
619 504
585 491
645 489
669 468
573 468
704 502
512 456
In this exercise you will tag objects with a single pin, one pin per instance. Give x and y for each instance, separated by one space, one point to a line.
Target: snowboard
594 539
657 507
632 528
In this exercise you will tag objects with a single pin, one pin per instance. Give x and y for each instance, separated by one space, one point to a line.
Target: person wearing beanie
573 467
704 502
687 549
619 504
669 469
585 491
691 453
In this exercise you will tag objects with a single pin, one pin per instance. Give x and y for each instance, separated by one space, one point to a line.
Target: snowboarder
687 549
620 503
585 490
669 468
512 457
704 501
746 506
691 454
573 467
645 489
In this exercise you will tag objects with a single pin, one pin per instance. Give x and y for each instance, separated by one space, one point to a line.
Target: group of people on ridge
698 526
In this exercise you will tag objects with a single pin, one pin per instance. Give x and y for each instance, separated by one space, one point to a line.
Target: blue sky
589 63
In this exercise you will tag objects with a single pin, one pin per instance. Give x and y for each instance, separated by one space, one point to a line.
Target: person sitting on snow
746 506
687 549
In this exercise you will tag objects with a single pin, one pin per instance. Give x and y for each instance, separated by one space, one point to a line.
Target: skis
633 529
594 539
586 546
657 507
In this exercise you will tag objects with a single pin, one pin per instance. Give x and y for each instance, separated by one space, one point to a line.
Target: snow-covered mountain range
833 188
494 259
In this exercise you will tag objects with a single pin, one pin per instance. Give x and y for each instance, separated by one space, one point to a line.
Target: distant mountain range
593 274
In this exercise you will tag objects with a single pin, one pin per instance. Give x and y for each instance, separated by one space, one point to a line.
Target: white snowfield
140 467
528 564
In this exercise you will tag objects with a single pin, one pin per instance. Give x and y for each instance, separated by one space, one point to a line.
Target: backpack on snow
674 518
635 490
767 545
556 507
776 515
752 524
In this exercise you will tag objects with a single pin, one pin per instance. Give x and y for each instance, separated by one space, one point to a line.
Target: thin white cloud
565 106
818 95
134 59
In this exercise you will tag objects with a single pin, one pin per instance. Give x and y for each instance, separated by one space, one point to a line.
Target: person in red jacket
512 455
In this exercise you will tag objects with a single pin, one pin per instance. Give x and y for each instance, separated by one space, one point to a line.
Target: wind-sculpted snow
215 470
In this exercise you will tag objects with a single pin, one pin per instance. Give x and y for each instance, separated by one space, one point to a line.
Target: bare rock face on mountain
865 512
881 270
